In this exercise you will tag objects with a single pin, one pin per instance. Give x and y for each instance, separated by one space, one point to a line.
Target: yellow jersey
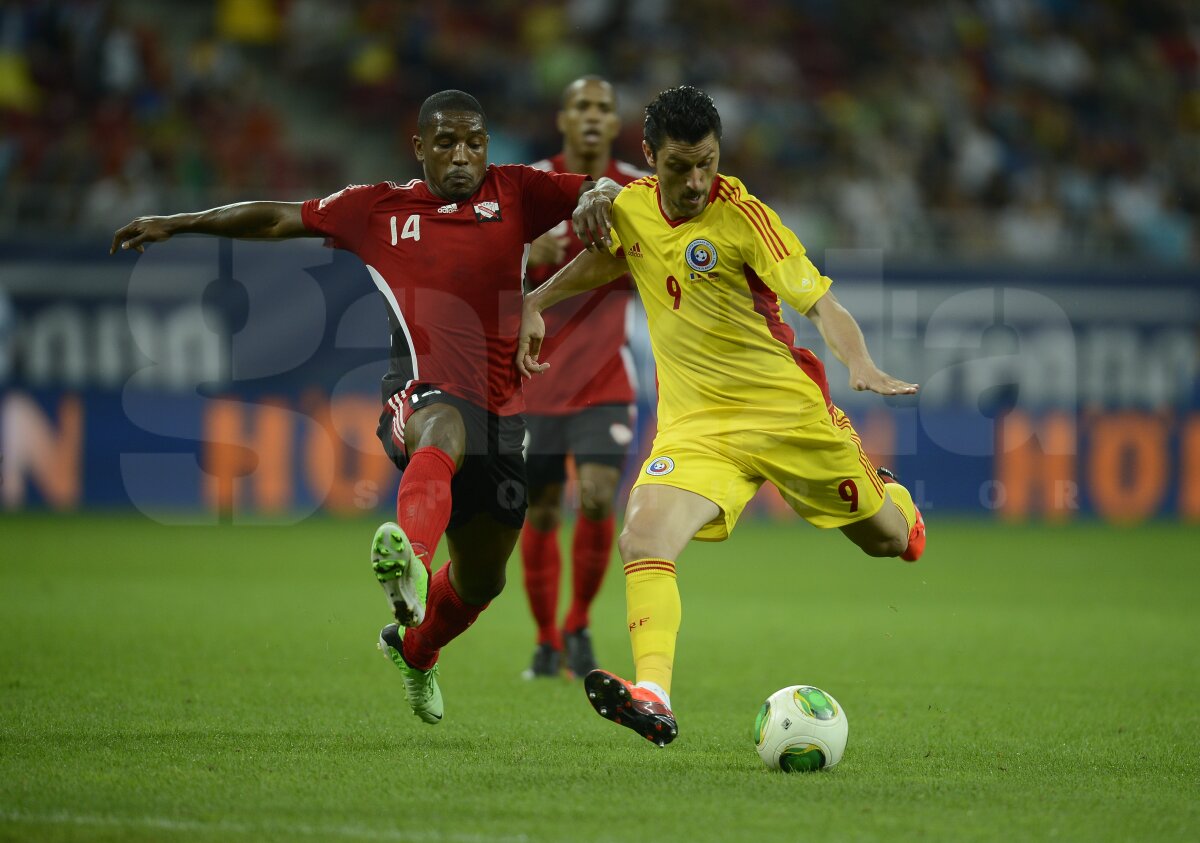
711 286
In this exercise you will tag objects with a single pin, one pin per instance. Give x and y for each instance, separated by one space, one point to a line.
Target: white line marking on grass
360 832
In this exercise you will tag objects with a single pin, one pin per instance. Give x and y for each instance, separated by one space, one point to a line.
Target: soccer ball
800 728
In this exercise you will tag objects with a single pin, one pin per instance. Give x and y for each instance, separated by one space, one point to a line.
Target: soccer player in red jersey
582 405
448 255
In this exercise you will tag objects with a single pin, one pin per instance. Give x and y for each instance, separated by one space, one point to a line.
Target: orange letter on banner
265 456
342 451
1128 465
30 447
1189 474
1027 472
877 430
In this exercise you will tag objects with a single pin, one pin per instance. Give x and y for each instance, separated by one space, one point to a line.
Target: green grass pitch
222 684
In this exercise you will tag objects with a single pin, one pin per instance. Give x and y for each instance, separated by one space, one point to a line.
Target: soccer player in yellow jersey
739 404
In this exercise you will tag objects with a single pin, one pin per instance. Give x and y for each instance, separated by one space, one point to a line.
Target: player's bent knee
875 542
596 494
543 518
881 545
883 534
440 426
636 545
884 547
477 591
596 508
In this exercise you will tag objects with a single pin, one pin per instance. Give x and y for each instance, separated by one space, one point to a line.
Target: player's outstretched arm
248 220
843 336
587 271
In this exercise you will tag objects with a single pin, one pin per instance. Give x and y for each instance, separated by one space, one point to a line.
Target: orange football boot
628 705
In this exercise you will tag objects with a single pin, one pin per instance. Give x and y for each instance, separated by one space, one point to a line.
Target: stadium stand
1026 130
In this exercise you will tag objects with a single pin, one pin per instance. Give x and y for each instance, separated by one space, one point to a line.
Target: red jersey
585 339
451 272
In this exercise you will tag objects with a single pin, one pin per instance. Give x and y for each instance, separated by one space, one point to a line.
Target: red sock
590 552
446 618
542 562
423 500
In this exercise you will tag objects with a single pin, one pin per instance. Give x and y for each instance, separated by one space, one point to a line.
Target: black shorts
600 434
492 477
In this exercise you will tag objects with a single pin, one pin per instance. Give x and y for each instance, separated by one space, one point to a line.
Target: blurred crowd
1026 130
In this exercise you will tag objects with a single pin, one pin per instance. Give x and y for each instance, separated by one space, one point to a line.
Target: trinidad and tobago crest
488 211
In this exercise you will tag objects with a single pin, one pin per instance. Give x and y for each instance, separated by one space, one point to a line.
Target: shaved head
582 81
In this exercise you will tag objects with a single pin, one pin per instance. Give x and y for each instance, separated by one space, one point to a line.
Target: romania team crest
660 466
701 255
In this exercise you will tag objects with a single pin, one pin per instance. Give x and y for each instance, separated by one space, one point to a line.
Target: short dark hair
684 114
450 100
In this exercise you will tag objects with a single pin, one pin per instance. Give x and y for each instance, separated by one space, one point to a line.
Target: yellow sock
653 612
902 498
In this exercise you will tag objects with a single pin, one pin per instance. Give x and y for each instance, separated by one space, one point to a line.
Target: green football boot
402 575
421 686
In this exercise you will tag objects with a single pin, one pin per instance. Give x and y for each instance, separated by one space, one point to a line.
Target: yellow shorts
820 469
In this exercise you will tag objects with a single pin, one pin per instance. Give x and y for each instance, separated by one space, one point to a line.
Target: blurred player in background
739 404
447 253
583 405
